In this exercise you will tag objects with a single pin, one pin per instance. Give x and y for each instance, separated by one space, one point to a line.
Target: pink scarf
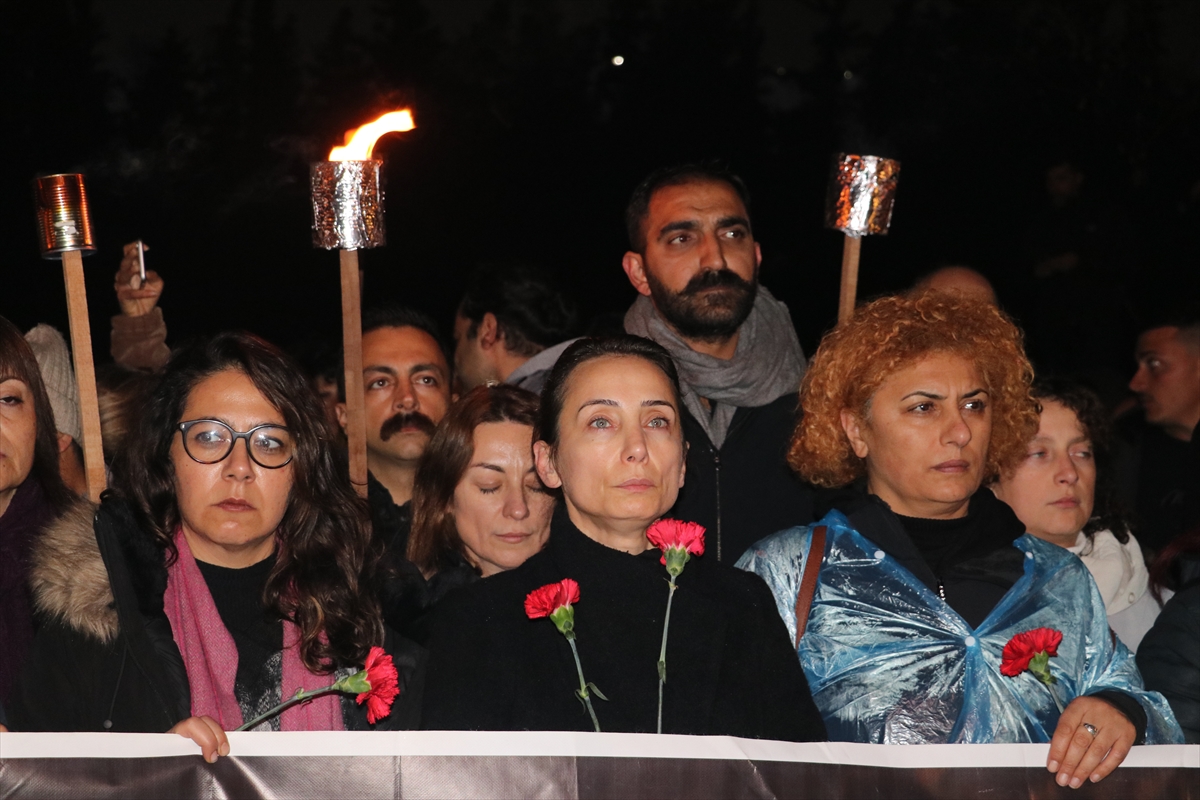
211 657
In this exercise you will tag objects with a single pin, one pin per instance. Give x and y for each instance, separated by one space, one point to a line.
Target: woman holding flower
609 438
232 566
929 592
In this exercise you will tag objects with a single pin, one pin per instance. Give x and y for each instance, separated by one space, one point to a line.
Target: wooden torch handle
85 374
850 252
356 414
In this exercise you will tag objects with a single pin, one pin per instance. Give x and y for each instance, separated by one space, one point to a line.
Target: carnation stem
583 690
662 655
299 697
1054 696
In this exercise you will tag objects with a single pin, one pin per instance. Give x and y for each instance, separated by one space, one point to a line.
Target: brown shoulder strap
808 583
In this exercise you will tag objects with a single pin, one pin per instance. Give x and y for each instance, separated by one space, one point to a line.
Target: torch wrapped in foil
861 192
64 223
347 199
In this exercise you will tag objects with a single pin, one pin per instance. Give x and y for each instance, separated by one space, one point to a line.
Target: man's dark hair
392 315
1183 315
531 313
702 172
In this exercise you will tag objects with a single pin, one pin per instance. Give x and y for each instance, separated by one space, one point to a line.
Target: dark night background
195 123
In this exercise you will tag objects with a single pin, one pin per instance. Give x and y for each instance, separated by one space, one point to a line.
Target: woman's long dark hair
17 361
434 544
1093 418
326 560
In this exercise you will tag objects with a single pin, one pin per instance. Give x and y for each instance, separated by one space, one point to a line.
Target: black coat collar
137 574
986 554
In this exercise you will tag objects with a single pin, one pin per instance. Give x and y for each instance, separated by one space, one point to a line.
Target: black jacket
1169 658
390 522
731 669
973 575
745 491
1158 478
403 592
105 658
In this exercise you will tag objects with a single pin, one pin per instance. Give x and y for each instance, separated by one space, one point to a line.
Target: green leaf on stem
354 684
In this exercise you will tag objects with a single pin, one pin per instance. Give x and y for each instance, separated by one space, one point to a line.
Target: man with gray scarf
694 261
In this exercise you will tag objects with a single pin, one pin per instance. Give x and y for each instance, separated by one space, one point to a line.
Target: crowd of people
884 526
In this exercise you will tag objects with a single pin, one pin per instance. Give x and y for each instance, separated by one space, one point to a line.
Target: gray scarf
768 362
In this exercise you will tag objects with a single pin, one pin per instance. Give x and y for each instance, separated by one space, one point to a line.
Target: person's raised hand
206 732
136 297
1091 740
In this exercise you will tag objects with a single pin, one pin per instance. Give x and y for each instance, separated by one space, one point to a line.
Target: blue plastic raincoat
888 661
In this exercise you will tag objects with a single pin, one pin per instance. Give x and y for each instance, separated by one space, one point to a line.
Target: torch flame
361 141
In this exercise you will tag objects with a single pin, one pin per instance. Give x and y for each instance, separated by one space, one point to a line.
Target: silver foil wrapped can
63 220
861 192
347 200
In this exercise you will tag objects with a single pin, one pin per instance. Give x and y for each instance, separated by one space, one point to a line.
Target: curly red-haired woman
924 578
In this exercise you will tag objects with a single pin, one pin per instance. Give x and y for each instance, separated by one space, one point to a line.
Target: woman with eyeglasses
231 565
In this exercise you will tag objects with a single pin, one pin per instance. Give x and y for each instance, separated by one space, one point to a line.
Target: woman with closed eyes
479 507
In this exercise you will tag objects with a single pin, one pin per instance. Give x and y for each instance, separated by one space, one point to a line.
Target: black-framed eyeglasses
209 441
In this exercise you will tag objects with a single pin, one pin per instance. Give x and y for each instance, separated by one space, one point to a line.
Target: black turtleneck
970 561
731 666
257 634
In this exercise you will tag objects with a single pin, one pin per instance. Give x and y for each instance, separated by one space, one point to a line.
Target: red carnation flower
679 541
554 601
544 601
1026 646
385 685
675 534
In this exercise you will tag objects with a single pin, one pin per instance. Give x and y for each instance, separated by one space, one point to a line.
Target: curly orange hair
892 333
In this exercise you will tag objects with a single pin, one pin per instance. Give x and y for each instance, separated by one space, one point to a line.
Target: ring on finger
1090 729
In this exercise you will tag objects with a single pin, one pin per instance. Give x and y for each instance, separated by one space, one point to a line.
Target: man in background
1159 470
406 377
958 280
511 326
694 261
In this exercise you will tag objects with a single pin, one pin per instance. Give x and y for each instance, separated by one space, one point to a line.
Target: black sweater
745 490
731 669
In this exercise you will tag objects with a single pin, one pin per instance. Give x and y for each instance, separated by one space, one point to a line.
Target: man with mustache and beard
694 261
406 376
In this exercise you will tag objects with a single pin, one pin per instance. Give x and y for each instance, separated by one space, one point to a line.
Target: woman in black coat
220 576
32 493
609 436
1169 657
